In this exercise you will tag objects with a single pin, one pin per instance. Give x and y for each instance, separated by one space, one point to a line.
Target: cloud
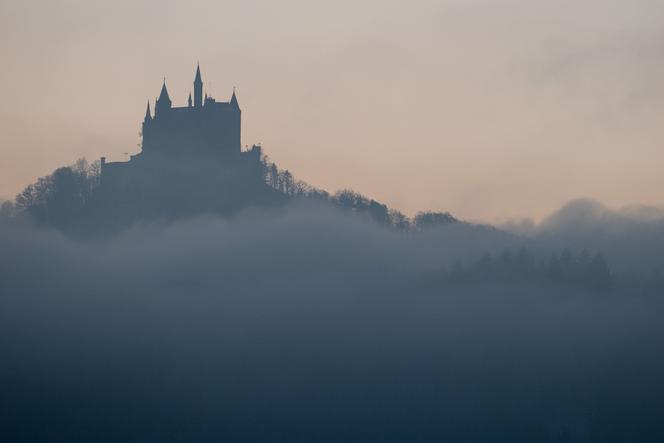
309 323
631 236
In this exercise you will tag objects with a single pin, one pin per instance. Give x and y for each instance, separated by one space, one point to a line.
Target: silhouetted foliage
61 199
73 199
347 200
561 270
283 181
398 220
425 220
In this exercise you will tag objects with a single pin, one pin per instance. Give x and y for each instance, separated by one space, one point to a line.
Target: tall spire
198 74
164 93
164 101
234 102
189 100
148 114
198 88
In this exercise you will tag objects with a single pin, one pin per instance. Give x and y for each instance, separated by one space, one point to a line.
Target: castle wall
213 129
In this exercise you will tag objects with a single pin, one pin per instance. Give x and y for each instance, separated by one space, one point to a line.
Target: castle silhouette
204 129
192 154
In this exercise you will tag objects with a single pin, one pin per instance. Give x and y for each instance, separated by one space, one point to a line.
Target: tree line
566 268
349 200
63 198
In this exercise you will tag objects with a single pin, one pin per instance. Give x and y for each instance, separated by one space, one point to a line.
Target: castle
204 130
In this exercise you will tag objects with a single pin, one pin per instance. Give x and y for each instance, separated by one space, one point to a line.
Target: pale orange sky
487 109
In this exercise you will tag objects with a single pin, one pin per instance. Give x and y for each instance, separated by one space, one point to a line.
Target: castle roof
234 100
164 94
148 115
198 75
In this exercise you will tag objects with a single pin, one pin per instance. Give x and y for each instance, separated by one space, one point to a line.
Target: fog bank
308 324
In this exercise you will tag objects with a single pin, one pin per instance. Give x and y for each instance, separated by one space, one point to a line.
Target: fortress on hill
205 130
190 154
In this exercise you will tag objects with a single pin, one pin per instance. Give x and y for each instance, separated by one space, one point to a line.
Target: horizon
488 113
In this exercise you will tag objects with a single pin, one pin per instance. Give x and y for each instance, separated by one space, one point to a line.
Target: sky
489 109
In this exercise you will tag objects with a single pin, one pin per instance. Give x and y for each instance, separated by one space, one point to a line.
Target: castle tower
164 101
198 88
148 114
237 121
147 126
234 103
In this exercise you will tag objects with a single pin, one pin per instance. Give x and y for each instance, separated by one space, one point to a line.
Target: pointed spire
164 93
164 101
234 102
198 88
148 114
189 101
198 78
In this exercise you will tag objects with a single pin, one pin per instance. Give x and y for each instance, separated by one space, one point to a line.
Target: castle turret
147 126
148 114
164 101
198 88
234 102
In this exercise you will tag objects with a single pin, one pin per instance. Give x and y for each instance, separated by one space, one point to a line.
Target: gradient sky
488 109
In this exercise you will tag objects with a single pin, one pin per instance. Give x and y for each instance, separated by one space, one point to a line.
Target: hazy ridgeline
306 322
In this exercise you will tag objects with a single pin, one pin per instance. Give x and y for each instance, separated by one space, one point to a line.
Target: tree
61 198
398 220
286 183
428 219
378 212
273 176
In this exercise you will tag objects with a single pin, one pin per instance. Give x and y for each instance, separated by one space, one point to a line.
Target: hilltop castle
204 129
